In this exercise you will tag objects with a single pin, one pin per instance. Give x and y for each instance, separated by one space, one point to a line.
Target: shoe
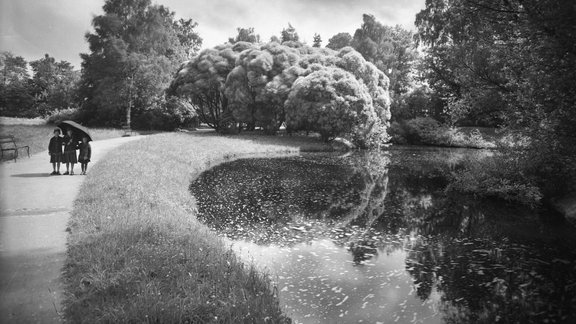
72 173
53 173
58 173
66 173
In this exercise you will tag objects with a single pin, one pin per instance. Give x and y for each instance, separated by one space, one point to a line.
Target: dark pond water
372 237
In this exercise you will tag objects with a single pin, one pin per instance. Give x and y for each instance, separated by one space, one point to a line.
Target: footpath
34 211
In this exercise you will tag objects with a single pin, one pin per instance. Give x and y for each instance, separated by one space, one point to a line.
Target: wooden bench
127 130
8 143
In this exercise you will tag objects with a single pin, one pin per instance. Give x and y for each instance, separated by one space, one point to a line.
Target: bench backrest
7 142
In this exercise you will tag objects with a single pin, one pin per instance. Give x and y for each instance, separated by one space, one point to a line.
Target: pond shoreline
290 215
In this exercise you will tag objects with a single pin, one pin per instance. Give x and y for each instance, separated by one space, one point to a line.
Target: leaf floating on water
343 300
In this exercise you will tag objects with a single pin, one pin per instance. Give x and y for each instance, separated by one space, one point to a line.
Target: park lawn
38 136
136 252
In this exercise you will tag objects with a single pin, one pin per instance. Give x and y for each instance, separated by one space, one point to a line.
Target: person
69 155
55 151
84 155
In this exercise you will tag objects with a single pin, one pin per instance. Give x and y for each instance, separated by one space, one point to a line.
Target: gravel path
34 212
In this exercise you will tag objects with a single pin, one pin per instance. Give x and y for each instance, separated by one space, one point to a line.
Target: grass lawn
136 252
38 136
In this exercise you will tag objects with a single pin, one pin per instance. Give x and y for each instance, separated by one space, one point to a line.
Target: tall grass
136 252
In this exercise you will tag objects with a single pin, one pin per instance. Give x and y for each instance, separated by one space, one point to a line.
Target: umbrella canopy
78 131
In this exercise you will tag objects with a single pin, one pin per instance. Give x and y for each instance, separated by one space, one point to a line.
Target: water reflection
372 236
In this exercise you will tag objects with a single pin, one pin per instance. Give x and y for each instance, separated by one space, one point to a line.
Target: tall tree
521 53
317 41
16 97
135 49
14 68
245 35
391 49
289 34
55 84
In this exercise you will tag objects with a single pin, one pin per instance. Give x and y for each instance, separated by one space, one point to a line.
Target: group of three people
63 150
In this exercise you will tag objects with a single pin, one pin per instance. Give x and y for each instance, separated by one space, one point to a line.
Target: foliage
391 49
16 97
428 131
289 34
317 41
245 35
514 58
57 116
201 81
420 101
497 177
339 41
255 85
52 86
135 49
329 101
55 85
166 114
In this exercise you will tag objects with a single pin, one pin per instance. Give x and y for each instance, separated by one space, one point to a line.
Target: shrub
64 114
330 101
420 130
428 131
496 177
397 133
166 114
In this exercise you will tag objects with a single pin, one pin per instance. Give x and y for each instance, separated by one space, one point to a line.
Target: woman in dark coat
55 151
69 155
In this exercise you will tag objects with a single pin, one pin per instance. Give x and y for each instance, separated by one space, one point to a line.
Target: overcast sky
31 28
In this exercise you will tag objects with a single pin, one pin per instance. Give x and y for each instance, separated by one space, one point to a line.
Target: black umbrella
78 131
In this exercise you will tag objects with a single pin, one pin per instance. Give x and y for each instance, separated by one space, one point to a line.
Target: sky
32 28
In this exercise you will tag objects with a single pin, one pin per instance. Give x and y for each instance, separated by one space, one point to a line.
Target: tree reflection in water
488 262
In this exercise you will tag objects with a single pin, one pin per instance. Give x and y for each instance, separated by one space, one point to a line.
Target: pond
372 237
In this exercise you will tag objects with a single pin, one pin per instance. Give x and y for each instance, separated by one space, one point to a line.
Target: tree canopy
245 35
309 88
134 51
513 62
50 87
289 34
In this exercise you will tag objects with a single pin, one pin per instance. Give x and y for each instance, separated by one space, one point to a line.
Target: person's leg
57 167
85 167
72 168
53 167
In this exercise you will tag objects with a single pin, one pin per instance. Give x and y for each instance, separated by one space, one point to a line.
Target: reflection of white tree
373 168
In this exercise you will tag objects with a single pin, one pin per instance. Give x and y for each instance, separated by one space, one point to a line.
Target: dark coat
85 152
55 145
69 144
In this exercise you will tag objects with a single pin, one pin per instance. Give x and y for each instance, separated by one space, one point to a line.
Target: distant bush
64 114
428 131
166 115
496 177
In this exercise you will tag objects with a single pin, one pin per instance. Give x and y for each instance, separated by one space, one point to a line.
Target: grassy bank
136 253
38 136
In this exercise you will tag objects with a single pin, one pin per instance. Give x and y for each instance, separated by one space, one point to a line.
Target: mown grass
136 252
38 136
